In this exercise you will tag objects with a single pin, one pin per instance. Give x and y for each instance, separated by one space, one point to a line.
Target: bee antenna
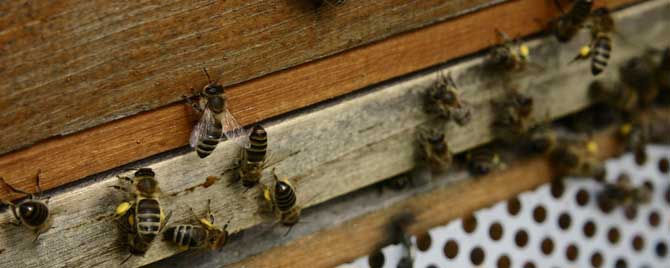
289 230
209 79
126 259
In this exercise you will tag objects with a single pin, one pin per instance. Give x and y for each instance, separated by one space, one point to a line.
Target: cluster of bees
141 217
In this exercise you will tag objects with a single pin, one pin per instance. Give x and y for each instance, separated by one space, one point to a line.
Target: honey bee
32 213
624 194
443 101
635 137
638 74
512 116
542 140
509 56
216 122
614 95
577 159
434 149
205 235
280 198
482 161
143 218
252 159
566 26
600 48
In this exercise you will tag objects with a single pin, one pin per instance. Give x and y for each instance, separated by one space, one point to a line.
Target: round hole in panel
564 221
654 219
469 224
621 263
423 241
589 229
376 259
513 206
667 195
582 197
451 249
637 242
613 235
572 253
664 165
630 212
539 214
661 249
431 266
521 238
529 264
557 188
596 259
650 185
496 231
504 262
547 246
477 256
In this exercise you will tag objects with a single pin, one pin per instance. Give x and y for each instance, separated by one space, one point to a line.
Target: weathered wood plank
333 149
133 138
93 62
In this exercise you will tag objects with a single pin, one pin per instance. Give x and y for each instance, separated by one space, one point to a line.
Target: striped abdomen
148 218
208 140
258 140
33 213
186 235
284 196
601 53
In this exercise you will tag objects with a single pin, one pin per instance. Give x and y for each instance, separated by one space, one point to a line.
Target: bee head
212 90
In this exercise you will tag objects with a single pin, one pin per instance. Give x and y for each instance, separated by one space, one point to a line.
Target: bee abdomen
601 54
259 143
148 218
285 200
207 143
186 235
33 213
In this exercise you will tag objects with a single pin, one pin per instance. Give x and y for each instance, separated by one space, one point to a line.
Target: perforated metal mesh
556 225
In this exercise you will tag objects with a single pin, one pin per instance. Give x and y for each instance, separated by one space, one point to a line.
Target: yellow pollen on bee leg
524 50
592 147
584 51
625 129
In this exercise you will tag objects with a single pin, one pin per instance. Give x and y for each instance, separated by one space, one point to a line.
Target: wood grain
72 65
362 235
137 137
328 151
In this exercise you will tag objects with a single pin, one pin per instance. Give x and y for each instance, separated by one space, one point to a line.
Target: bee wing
232 130
200 130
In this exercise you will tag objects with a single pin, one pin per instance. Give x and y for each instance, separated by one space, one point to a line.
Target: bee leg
209 211
289 230
38 233
165 222
196 106
124 189
125 179
14 189
126 259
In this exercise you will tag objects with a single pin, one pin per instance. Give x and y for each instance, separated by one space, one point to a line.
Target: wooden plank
137 137
94 62
330 150
362 235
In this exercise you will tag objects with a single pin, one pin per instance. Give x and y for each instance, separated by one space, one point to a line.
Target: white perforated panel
559 225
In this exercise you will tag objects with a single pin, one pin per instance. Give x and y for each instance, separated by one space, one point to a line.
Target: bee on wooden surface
252 159
512 116
623 193
482 161
434 149
216 122
443 101
635 136
509 56
281 199
614 94
142 216
638 74
542 140
577 159
566 26
32 213
204 235
600 48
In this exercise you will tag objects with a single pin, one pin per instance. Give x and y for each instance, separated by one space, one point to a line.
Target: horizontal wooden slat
73 65
330 150
137 137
